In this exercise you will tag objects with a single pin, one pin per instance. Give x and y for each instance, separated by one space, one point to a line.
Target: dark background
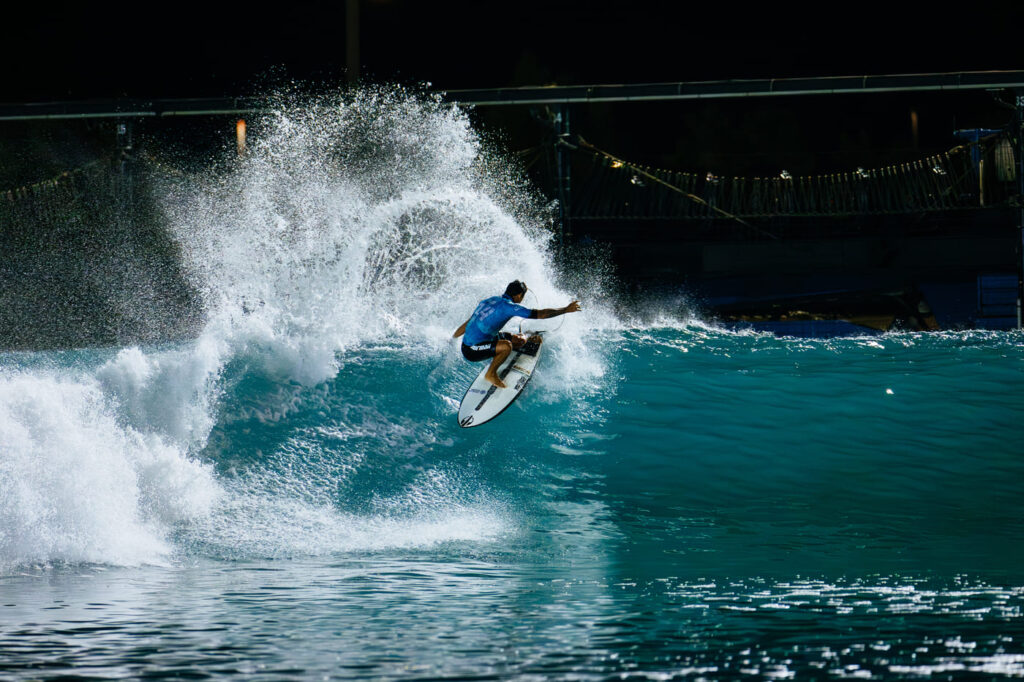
82 50
59 52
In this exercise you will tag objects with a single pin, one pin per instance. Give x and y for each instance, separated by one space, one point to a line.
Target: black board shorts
483 351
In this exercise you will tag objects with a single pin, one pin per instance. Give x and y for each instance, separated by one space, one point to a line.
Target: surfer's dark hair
515 288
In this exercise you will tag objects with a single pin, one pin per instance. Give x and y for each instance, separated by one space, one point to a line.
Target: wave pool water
289 494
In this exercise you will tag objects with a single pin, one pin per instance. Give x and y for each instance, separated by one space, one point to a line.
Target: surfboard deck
484 401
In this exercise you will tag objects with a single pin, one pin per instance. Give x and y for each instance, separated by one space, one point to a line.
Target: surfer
482 338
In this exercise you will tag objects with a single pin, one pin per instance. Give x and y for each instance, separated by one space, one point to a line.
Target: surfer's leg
501 350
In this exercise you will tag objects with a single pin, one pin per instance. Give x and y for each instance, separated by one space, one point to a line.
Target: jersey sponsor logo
490 316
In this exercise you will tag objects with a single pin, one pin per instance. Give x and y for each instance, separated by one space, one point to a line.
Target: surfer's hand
572 307
518 340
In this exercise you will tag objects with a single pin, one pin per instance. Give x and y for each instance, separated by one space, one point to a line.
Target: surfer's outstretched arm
461 330
546 313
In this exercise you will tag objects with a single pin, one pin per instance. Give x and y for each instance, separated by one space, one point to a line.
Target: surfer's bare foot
495 380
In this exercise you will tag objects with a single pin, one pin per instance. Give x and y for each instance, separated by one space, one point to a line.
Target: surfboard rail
493 400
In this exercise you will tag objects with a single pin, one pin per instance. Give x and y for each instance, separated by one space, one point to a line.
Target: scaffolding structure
942 182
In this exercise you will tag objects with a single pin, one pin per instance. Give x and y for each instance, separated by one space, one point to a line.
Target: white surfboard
484 401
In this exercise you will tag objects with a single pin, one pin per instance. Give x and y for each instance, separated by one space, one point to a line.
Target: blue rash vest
490 316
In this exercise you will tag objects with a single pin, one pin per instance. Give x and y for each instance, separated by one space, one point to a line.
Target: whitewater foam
76 486
274 511
375 220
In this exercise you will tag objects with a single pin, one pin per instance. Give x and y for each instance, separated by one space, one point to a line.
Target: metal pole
563 170
1020 210
124 144
352 41
125 198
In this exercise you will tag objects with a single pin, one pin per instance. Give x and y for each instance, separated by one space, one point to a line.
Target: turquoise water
289 495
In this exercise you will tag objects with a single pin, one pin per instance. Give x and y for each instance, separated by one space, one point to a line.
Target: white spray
372 219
